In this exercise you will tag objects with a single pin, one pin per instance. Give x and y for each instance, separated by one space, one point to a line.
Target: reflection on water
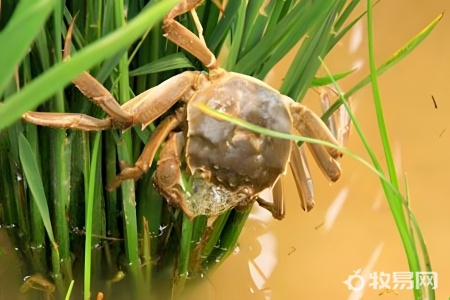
335 208
358 288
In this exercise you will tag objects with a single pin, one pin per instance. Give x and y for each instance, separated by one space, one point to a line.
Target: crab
37 282
227 166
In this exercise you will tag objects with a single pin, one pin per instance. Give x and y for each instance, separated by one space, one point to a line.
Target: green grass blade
322 81
89 216
275 14
37 225
60 75
377 99
415 228
209 20
222 28
343 17
229 238
61 151
395 205
170 62
69 290
110 166
219 224
305 64
293 23
344 31
252 12
34 180
15 40
128 187
183 257
237 36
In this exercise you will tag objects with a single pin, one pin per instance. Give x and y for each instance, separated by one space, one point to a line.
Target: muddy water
292 259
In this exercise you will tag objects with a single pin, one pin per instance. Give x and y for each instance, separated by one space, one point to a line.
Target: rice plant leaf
344 31
89 213
229 236
222 28
183 257
170 62
271 40
237 36
393 200
345 14
108 66
61 74
254 29
305 64
69 290
209 19
321 81
275 14
15 40
34 180
276 43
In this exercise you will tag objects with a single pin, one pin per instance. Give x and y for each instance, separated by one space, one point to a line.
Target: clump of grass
54 179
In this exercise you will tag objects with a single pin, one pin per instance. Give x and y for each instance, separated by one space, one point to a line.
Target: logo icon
355 286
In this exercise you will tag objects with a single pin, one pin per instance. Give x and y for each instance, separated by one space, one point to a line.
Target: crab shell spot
238 158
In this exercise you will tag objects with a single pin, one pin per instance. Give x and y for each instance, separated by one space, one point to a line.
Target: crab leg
184 38
168 173
277 207
145 160
151 104
144 108
310 125
340 122
98 94
302 177
67 120
94 91
306 121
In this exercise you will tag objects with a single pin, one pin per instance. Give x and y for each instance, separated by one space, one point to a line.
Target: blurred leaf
34 180
15 40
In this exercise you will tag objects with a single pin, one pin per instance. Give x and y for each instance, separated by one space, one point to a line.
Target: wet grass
53 180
